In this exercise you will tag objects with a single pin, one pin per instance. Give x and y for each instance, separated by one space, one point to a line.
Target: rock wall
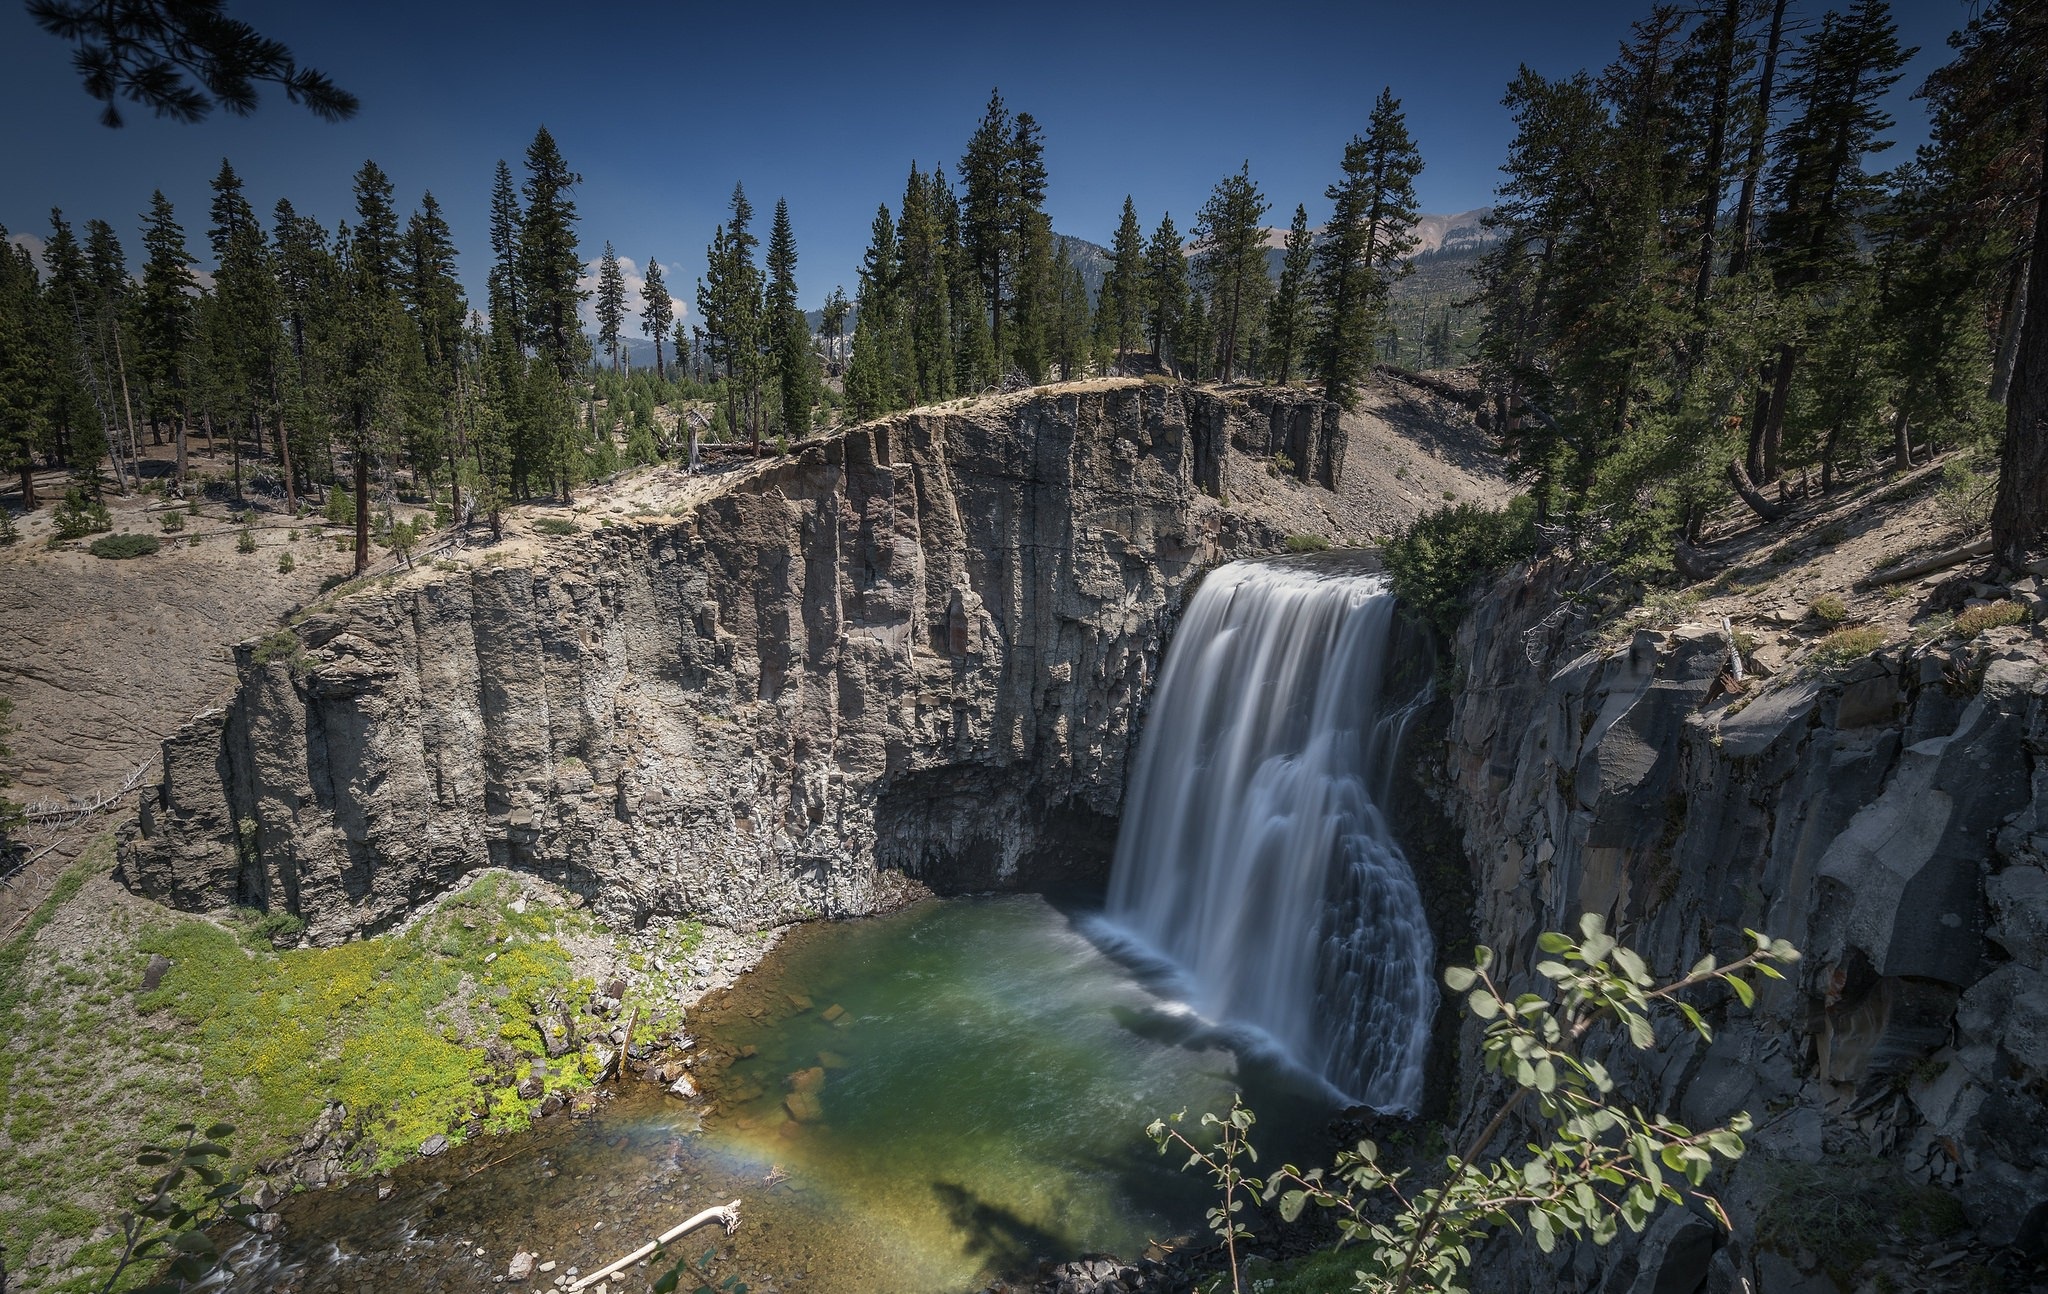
915 649
1888 819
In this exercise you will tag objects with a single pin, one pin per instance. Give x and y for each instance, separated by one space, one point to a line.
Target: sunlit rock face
918 648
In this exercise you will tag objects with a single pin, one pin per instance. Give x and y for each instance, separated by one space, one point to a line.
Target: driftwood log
728 1214
1980 547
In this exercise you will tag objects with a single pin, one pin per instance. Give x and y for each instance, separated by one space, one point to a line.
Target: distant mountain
1464 232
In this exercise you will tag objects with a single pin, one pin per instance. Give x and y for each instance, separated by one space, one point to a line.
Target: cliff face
915 649
1888 820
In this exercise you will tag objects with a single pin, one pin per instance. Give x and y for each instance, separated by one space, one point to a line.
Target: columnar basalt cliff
913 649
1885 818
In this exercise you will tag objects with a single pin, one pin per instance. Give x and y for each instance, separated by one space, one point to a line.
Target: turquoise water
918 1102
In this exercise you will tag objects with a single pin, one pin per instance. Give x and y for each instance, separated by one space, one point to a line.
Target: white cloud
35 249
636 282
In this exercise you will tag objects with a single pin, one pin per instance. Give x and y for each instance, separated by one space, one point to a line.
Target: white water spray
1252 851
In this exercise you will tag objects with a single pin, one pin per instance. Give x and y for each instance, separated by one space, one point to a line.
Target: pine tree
1123 306
832 323
107 316
367 369
1230 230
550 266
876 377
507 290
795 369
73 397
22 405
240 315
729 300
164 321
1368 235
1072 331
657 312
1004 232
433 297
305 281
926 294
1287 319
1166 288
374 241
1817 185
611 304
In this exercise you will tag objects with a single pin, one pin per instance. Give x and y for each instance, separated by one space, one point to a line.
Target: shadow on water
996 1236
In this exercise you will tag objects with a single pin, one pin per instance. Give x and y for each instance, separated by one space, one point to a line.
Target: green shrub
1977 619
8 533
285 564
246 541
79 515
172 522
116 547
1435 561
276 929
1307 544
1965 493
341 507
1828 609
1846 645
555 526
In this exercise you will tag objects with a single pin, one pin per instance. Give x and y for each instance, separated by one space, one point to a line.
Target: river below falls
971 1080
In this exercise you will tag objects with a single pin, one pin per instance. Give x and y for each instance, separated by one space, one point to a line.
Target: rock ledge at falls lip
917 648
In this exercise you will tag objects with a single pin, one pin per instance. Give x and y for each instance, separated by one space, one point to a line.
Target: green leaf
1640 1031
1742 990
1483 1004
1632 964
1536 1173
1546 1077
1460 978
1704 966
1592 925
220 1131
1552 941
1692 1017
1291 1205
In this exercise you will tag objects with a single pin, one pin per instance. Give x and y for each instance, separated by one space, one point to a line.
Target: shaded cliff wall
917 648
1886 818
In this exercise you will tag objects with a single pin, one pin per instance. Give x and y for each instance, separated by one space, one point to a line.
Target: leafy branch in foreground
169 1224
1598 1163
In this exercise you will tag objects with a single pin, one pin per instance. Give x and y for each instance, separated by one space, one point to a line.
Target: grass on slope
390 1027
91 1065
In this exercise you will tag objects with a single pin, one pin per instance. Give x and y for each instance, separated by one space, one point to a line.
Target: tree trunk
28 486
284 458
180 425
2020 516
128 407
1771 436
362 510
1717 139
455 519
1753 169
2009 333
235 446
1758 504
1902 442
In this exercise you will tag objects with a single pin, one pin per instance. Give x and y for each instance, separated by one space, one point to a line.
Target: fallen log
1941 561
728 1214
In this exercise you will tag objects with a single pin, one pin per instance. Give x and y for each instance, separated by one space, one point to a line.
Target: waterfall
1253 853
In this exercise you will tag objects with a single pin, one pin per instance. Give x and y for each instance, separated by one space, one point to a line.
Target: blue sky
662 107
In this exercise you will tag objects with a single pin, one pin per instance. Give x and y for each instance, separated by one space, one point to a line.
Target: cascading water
1252 851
